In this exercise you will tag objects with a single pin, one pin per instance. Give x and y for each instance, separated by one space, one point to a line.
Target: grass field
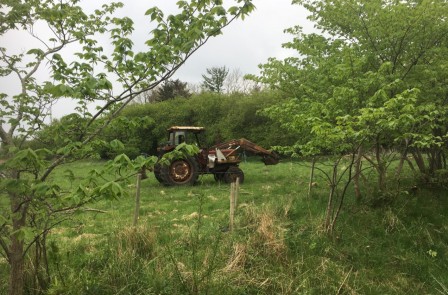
182 244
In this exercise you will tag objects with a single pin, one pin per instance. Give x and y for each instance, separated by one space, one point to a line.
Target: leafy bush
224 116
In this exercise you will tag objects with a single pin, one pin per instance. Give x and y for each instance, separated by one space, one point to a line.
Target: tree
214 79
35 203
147 97
235 82
372 78
171 89
367 85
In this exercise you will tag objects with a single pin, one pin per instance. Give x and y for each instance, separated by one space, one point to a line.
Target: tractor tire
158 173
180 172
218 176
232 174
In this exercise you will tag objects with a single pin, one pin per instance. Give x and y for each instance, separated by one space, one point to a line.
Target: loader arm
269 157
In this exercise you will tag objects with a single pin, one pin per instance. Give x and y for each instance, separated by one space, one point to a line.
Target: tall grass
279 246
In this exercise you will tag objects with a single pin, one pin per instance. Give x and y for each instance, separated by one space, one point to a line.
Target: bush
224 116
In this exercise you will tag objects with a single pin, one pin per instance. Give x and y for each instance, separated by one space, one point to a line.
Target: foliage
215 78
224 116
171 89
368 83
109 76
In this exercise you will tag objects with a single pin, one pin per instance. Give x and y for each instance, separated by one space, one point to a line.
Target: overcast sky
243 46
246 44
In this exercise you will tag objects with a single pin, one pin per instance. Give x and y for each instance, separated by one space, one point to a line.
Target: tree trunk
437 159
16 249
310 184
410 164
400 167
404 157
443 160
329 211
17 263
380 167
344 191
419 161
357 174
435 154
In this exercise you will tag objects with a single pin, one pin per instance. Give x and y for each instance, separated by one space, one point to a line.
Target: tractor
222 160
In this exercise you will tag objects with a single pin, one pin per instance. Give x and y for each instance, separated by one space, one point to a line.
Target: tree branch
6 139
128 95
46 230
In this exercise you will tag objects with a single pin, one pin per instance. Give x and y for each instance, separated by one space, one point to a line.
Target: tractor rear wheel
180 172
232 174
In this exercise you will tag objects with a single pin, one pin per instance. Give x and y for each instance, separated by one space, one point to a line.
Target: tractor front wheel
158 170
218 176
232 174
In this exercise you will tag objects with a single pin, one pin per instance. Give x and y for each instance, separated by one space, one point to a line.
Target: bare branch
45 231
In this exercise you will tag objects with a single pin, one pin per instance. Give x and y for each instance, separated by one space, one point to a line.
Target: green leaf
112 190
41 188
116 145
233 10
122 159
24 233
3 220
36 51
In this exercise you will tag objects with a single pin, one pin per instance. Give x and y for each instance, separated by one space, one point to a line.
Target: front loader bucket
272 159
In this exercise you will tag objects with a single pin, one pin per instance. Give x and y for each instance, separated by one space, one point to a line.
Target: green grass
182 244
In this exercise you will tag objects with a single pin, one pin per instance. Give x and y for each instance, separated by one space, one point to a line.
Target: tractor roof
186 128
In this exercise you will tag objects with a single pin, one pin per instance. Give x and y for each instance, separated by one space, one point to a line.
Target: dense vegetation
142 127
103 66
373 79
364 100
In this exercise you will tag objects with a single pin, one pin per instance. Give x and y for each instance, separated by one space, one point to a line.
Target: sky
246 44
242 46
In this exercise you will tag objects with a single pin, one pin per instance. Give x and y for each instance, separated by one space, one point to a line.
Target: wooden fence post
137 199
234 187
237 189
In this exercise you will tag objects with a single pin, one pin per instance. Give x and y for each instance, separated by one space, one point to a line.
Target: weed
136 242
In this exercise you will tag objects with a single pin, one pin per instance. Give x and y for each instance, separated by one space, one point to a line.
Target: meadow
394 244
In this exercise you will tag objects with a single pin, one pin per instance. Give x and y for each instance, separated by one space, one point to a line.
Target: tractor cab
187 134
